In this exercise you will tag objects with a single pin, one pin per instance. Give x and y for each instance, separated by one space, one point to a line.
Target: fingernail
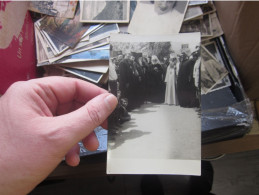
110 101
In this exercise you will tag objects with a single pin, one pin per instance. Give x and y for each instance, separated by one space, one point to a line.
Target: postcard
193 12
56 46
215 25
90 76
105 11
213 50
81 47
166 17
41 55
91 29
85 43
208 8
91 45
103 32
212 72
198 25
67 31
100 66
194 2
64 9
46 46
156 80
87 56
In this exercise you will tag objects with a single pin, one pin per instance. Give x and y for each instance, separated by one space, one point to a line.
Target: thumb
73 127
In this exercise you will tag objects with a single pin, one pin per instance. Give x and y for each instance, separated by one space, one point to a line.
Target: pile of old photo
201 17
158 57
72 47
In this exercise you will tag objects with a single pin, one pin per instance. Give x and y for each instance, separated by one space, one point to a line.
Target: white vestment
170 92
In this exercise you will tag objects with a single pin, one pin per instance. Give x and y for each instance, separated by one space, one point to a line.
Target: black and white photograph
157 17
194 2
208 8
193 12
214 51
212 48
215 25
198 25
156 127
105 11
212 72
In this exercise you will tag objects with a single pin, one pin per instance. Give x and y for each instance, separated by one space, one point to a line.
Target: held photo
156 80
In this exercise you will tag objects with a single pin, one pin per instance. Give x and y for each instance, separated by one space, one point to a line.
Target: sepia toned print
215 25
213 50
212 72
198 25
105 11
41 55
156 80
193 12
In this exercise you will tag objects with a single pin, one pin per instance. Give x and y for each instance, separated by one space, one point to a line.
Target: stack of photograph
73 40
226 112
203 18
77 46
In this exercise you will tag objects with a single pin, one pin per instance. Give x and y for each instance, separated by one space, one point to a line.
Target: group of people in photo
138 78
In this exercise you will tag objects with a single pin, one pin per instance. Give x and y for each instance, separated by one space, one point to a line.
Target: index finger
64 90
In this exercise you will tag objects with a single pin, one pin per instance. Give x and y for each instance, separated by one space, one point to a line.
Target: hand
42 120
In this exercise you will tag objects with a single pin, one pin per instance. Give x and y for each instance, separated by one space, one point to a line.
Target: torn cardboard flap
239 21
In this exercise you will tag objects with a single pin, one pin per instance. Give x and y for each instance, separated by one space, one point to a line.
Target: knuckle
16 85
94 114
16 88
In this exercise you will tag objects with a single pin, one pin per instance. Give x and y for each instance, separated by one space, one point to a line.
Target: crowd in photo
139 78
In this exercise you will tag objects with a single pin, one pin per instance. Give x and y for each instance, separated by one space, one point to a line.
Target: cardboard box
239 20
